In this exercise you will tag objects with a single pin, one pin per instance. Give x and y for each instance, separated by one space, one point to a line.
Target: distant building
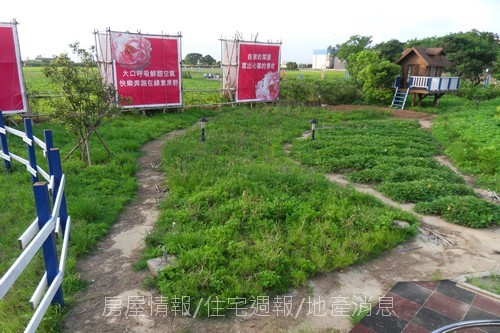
44 59
323 59
339 64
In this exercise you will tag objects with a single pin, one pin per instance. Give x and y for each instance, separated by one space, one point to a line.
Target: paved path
423 306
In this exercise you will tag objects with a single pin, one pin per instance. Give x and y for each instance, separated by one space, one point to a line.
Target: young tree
390 50
193 59
86 99
354 44
373 74
471 53
291 66
207 60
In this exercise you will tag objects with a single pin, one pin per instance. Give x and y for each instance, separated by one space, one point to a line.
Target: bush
468 211
298 92
421 190
373 74
478 92
314 92
338 91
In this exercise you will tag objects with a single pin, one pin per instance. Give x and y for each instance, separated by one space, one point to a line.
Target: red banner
12 96
147 69
258 72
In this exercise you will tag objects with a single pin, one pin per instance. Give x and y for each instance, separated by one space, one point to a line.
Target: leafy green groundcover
244 220
95 196
396 156
471 137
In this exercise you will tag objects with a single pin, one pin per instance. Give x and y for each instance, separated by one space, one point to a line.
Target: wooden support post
413 99
42 204
420 98
436 98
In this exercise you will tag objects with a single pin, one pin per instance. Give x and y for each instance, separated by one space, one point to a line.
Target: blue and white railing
50 221
434 84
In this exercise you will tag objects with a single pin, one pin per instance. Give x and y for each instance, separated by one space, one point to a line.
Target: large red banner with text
12 97
147 69
258 72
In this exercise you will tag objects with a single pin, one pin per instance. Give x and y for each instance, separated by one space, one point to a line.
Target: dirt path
109 269
116 301
474 250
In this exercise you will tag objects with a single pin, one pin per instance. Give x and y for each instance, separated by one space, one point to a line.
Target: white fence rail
41 234
435 84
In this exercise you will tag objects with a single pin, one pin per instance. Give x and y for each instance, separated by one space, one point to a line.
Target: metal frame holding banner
144 69
250 70
12 88
229 67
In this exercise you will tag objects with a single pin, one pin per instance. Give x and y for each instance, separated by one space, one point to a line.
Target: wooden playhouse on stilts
421 76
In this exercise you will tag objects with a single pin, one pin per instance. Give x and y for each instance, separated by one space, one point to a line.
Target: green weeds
95 196
471 137
396 157
244 220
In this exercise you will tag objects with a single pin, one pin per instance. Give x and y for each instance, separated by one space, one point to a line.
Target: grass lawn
490 283
95 196
245 220
471 137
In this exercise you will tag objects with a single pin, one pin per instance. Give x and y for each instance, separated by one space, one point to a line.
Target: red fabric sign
258 72
11 91
147 69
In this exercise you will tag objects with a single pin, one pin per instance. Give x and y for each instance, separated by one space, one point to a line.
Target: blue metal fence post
3 139
54 158
28 129
49 144
42 204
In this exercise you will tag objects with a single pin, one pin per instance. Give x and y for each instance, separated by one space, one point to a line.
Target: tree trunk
87 146
102 142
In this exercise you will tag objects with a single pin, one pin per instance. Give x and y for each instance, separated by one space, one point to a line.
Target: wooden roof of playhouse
432 56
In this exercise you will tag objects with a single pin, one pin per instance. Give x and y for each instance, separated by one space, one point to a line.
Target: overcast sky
47 27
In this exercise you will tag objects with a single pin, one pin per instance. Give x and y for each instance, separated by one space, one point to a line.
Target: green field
95 195
197 90
244 220
249 220
471 137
